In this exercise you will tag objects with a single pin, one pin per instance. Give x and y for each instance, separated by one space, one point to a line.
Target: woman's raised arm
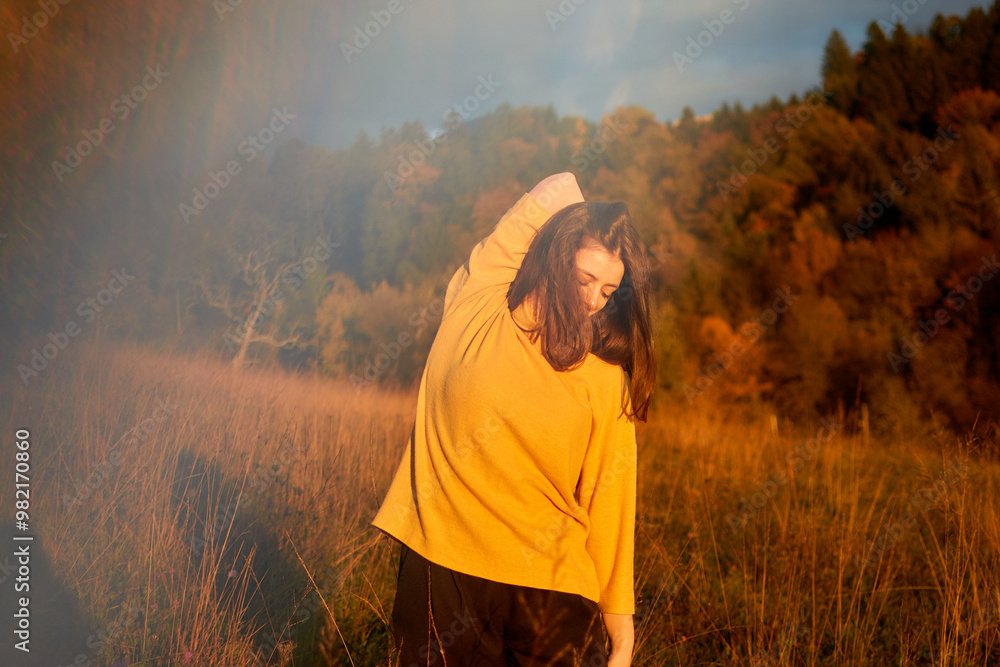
557 191
495 260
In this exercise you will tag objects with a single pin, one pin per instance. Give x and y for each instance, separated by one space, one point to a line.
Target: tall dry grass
200 540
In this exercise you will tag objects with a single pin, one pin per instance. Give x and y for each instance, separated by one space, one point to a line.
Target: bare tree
252 305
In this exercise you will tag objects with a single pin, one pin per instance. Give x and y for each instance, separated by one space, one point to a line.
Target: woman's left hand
620 658
621 632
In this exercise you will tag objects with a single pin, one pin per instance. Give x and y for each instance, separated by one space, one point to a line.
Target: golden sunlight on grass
172 494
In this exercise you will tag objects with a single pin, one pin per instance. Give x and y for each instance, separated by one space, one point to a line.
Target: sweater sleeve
496 259
609 472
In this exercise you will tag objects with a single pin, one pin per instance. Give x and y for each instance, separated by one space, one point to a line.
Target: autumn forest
831 249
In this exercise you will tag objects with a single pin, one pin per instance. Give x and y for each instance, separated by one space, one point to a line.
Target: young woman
515 498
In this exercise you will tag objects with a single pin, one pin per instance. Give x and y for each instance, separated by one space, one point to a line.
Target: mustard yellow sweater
515 472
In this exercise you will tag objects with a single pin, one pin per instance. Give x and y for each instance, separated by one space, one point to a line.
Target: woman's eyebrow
588 273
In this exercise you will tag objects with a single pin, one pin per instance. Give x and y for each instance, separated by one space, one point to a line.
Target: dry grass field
186 514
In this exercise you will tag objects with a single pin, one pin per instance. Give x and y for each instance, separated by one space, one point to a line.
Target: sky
393 61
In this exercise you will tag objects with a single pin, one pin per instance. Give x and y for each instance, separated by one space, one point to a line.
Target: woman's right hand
557 191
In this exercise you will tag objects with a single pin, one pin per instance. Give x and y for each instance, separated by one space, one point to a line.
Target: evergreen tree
840 74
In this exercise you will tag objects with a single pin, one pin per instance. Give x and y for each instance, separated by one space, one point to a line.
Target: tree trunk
241 353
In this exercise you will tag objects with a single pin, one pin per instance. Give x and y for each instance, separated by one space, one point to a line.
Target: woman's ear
557 191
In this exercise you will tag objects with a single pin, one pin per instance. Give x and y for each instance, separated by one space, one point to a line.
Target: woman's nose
595 298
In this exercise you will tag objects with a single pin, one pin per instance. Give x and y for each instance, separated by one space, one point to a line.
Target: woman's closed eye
586 283
603 295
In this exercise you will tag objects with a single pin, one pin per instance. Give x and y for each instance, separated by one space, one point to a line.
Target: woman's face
599 274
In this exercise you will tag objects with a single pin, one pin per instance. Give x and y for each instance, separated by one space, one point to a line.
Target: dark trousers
449 619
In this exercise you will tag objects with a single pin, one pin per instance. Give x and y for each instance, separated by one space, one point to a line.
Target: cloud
611 30
618 97
604 54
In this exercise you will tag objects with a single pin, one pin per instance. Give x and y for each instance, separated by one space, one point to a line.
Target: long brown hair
620 333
